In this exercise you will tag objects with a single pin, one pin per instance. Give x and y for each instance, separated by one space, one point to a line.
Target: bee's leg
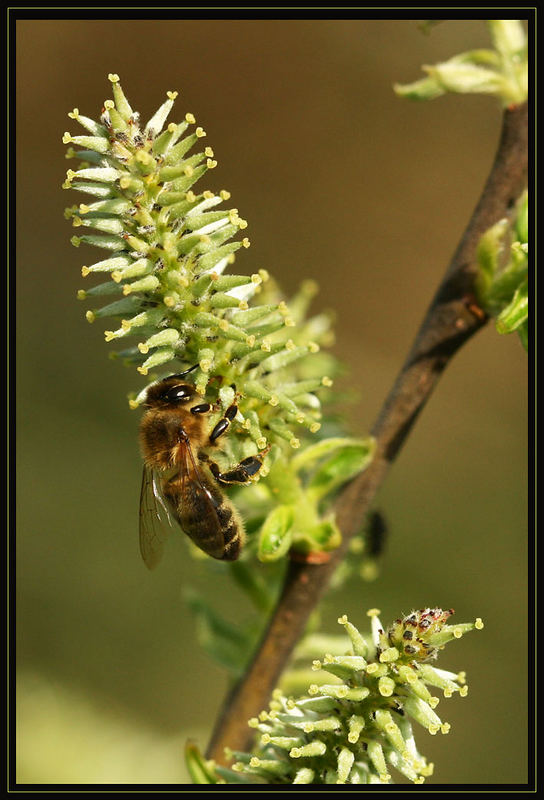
201 408
224 423
242 473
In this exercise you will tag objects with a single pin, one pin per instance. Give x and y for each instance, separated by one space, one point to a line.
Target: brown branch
453 317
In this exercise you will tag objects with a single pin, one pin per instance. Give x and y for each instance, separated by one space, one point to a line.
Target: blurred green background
340 181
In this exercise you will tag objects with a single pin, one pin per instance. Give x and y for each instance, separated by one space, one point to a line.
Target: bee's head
169 392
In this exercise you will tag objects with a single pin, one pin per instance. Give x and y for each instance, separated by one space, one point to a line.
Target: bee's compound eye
178 394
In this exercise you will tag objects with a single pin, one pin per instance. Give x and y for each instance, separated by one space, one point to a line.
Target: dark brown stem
453 317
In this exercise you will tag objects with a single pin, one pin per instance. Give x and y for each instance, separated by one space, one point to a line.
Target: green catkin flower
356 730
169 249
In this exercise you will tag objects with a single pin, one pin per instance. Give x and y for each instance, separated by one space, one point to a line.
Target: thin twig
453 317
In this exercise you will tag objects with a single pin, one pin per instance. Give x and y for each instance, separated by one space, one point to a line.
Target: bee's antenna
182 374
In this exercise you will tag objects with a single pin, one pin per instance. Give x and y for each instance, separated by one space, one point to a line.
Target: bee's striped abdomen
206 516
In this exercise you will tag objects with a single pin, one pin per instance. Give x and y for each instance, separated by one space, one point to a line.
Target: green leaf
480 57
464 77
508 36
523 333
276 534
197 765
522 219
229 644
508 280
424 89
489 249
339 469
322 537
253 585
502 285
310 455
516 312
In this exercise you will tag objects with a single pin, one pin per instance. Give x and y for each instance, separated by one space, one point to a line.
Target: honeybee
179 479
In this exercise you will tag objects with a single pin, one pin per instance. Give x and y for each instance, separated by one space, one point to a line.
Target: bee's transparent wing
155 521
